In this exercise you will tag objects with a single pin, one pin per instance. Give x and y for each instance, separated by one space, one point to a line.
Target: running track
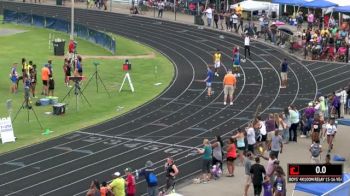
174 122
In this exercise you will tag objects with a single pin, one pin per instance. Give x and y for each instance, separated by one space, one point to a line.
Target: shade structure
289 2
344 9
319 4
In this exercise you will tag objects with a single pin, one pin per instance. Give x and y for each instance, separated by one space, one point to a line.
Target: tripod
97 77
77 91
29 107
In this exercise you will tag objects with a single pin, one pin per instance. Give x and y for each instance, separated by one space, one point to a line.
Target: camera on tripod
126 65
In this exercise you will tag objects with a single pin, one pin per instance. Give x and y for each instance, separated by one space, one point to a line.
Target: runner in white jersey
330 129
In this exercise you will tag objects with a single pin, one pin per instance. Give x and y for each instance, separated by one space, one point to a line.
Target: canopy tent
340 2
318 4
253 5
289 2
329 189
343 9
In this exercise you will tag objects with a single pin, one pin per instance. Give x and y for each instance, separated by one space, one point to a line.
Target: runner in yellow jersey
217 61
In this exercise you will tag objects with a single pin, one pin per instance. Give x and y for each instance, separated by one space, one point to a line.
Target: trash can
58 48
198 20
58 2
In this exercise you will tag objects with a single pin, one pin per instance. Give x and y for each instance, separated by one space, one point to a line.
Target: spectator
257 171
206 151
33 79
279 186
104 190
117 186
310 20
294 118
316 150
67 69
79 67
287 122
171 172
342 96
14 78
270 167
276 144
247 165
209 13
270 127
216 19
267 186
161 6
251 137
330 130
231 157
239 10
45 72
217 151
151 179
130 183
246 45
222 19
234 19
240 144
240 26
316 128
328 160
229 84
27 85
50 66
309 114
284 72
94 188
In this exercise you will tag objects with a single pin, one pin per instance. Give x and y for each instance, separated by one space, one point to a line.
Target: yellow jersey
217 57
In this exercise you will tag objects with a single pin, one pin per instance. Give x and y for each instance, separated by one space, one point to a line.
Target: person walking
251 137
171 172
208 80
217 151
117 186
229 84
217 62
151 179
231 157
247 165
209 13
276 144
316 128
294 118
280 186
257 171
284 71
246 45
130 183
330 130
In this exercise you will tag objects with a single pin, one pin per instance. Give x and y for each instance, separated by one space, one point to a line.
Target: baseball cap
149 164
117 174
128 169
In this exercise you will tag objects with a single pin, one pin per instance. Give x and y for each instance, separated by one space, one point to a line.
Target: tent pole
330 17
293 193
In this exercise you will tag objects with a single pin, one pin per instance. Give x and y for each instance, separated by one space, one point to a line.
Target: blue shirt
284 66
210 76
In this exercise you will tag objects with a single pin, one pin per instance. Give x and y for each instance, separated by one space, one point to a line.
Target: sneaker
303 136
225 103
231 103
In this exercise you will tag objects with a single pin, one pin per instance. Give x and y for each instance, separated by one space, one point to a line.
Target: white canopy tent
252 6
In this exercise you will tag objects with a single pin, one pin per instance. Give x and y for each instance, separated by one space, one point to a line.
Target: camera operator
27 85
79 67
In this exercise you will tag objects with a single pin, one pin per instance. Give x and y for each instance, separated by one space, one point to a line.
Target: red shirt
71 46
131 188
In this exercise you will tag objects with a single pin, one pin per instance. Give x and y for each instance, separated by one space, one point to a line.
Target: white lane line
333 76
322 66
327 71
334 83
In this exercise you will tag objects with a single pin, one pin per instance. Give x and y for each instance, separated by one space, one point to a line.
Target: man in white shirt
343 95
246 45
161 6
209 14
251 138
234 19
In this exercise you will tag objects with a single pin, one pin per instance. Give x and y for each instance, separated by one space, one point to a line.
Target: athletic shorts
206 166
241 149
284 75
229 90
208 84
231 159
217 64
45 82
248 179
263 138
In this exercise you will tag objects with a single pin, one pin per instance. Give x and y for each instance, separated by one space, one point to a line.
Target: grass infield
33 45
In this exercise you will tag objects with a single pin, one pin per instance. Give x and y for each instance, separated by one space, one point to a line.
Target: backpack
315 150
152 179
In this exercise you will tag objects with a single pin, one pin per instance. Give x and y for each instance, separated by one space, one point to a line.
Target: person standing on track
229 84
117 186
208 80
284 70
217 62
246 45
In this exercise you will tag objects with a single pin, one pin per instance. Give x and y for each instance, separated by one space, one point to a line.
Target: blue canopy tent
289 2
318 4
342 9
329 189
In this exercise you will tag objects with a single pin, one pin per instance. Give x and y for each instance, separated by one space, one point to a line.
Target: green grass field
33 45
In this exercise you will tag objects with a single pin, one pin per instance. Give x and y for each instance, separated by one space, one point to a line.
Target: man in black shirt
257 172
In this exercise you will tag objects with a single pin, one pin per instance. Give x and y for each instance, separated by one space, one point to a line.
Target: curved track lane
174 122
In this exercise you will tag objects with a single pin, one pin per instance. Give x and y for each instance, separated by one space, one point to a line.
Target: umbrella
286 30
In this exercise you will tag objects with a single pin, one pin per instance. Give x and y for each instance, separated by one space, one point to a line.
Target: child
14 78
51 86
279 186
267 186
236 64
216 171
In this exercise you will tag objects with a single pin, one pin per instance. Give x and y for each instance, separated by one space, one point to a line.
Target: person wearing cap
117 186
152 189
229 84
130 183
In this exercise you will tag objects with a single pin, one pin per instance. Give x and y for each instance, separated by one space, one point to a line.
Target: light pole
72 22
